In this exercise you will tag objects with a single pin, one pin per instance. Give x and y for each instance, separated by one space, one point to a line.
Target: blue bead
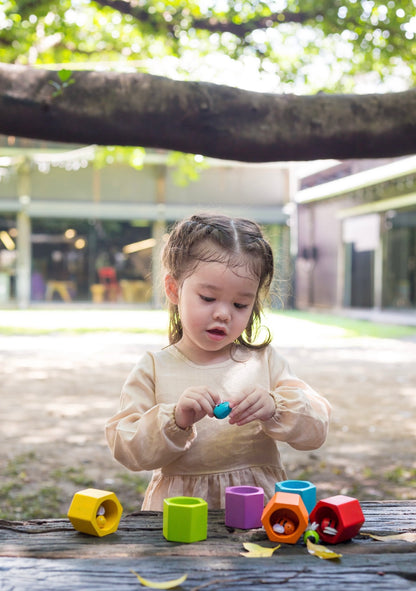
222 410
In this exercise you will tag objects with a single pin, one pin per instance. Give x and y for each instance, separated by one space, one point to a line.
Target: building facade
356 224
72 231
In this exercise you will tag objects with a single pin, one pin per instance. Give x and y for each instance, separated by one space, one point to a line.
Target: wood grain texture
50 554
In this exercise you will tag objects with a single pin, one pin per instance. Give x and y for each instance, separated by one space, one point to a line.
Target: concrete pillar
291 208
158 231
24 231
341 271
378 273
24 260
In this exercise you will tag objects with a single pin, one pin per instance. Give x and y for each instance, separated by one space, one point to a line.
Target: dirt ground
58 390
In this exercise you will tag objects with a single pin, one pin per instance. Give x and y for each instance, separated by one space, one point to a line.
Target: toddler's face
215 305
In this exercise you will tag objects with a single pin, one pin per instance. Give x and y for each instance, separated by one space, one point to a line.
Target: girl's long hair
235 242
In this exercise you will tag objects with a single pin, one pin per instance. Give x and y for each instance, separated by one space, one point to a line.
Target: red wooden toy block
339 518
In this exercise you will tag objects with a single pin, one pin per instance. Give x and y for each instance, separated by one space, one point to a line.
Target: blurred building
356 234
74 231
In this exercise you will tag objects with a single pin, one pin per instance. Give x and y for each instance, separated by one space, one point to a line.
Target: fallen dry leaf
321 551
257 551
160 585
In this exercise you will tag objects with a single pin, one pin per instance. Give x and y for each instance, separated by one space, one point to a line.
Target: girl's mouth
216 333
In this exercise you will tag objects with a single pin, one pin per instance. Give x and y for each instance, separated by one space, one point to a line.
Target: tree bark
109 108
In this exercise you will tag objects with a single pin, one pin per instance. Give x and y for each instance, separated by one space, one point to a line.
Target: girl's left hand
256 405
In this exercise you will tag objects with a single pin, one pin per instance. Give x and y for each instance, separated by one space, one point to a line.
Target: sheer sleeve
143 435
302 415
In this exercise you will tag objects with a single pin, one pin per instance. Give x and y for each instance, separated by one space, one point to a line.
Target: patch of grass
350 327
82 321
8 489
305 474
130 490
18 499
75 475
18 463
30 490
138 483
34 331
402 476
41 504
25 494
368 473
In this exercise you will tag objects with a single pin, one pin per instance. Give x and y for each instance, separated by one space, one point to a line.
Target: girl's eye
207 298
240 306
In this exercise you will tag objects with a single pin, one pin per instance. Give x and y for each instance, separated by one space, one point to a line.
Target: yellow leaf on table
408 536
257 551
160 585
321 551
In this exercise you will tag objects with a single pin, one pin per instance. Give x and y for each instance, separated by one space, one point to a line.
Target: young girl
217 272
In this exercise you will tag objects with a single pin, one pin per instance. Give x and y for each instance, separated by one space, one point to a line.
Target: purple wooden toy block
244 506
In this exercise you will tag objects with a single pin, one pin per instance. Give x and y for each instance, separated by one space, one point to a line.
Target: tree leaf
160 585
404 537
257 551
321 551
64 75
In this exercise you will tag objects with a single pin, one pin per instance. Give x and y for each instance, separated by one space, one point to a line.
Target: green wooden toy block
185 519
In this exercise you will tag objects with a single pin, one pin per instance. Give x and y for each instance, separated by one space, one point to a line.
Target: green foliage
186 167
284 40
65 79
106 155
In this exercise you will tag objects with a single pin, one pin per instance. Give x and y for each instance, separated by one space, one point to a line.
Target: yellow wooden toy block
95 512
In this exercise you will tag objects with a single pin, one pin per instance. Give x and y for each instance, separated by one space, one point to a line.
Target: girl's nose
222 313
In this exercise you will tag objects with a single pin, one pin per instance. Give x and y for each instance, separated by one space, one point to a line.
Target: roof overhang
360 180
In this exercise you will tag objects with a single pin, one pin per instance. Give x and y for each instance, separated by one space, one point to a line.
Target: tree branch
125 7
212 24
215 25
201 118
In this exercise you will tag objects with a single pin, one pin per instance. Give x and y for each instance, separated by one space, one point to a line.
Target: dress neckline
239 357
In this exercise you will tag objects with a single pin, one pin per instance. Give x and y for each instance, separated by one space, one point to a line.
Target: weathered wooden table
51 555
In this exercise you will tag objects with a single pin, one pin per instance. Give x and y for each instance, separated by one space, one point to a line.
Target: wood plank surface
50 554
210 574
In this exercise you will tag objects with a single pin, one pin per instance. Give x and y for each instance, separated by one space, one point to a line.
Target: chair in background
108 278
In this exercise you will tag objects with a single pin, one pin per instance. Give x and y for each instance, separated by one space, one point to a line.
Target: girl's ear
171 289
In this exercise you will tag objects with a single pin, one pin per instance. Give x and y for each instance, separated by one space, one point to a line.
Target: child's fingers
214 398
197 405
247 414
207 405
257 405
200 400
208 400
246 402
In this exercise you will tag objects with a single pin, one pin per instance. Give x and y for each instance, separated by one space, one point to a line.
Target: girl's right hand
193 405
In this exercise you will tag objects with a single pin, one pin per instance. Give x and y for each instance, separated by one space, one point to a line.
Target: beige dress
203 460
